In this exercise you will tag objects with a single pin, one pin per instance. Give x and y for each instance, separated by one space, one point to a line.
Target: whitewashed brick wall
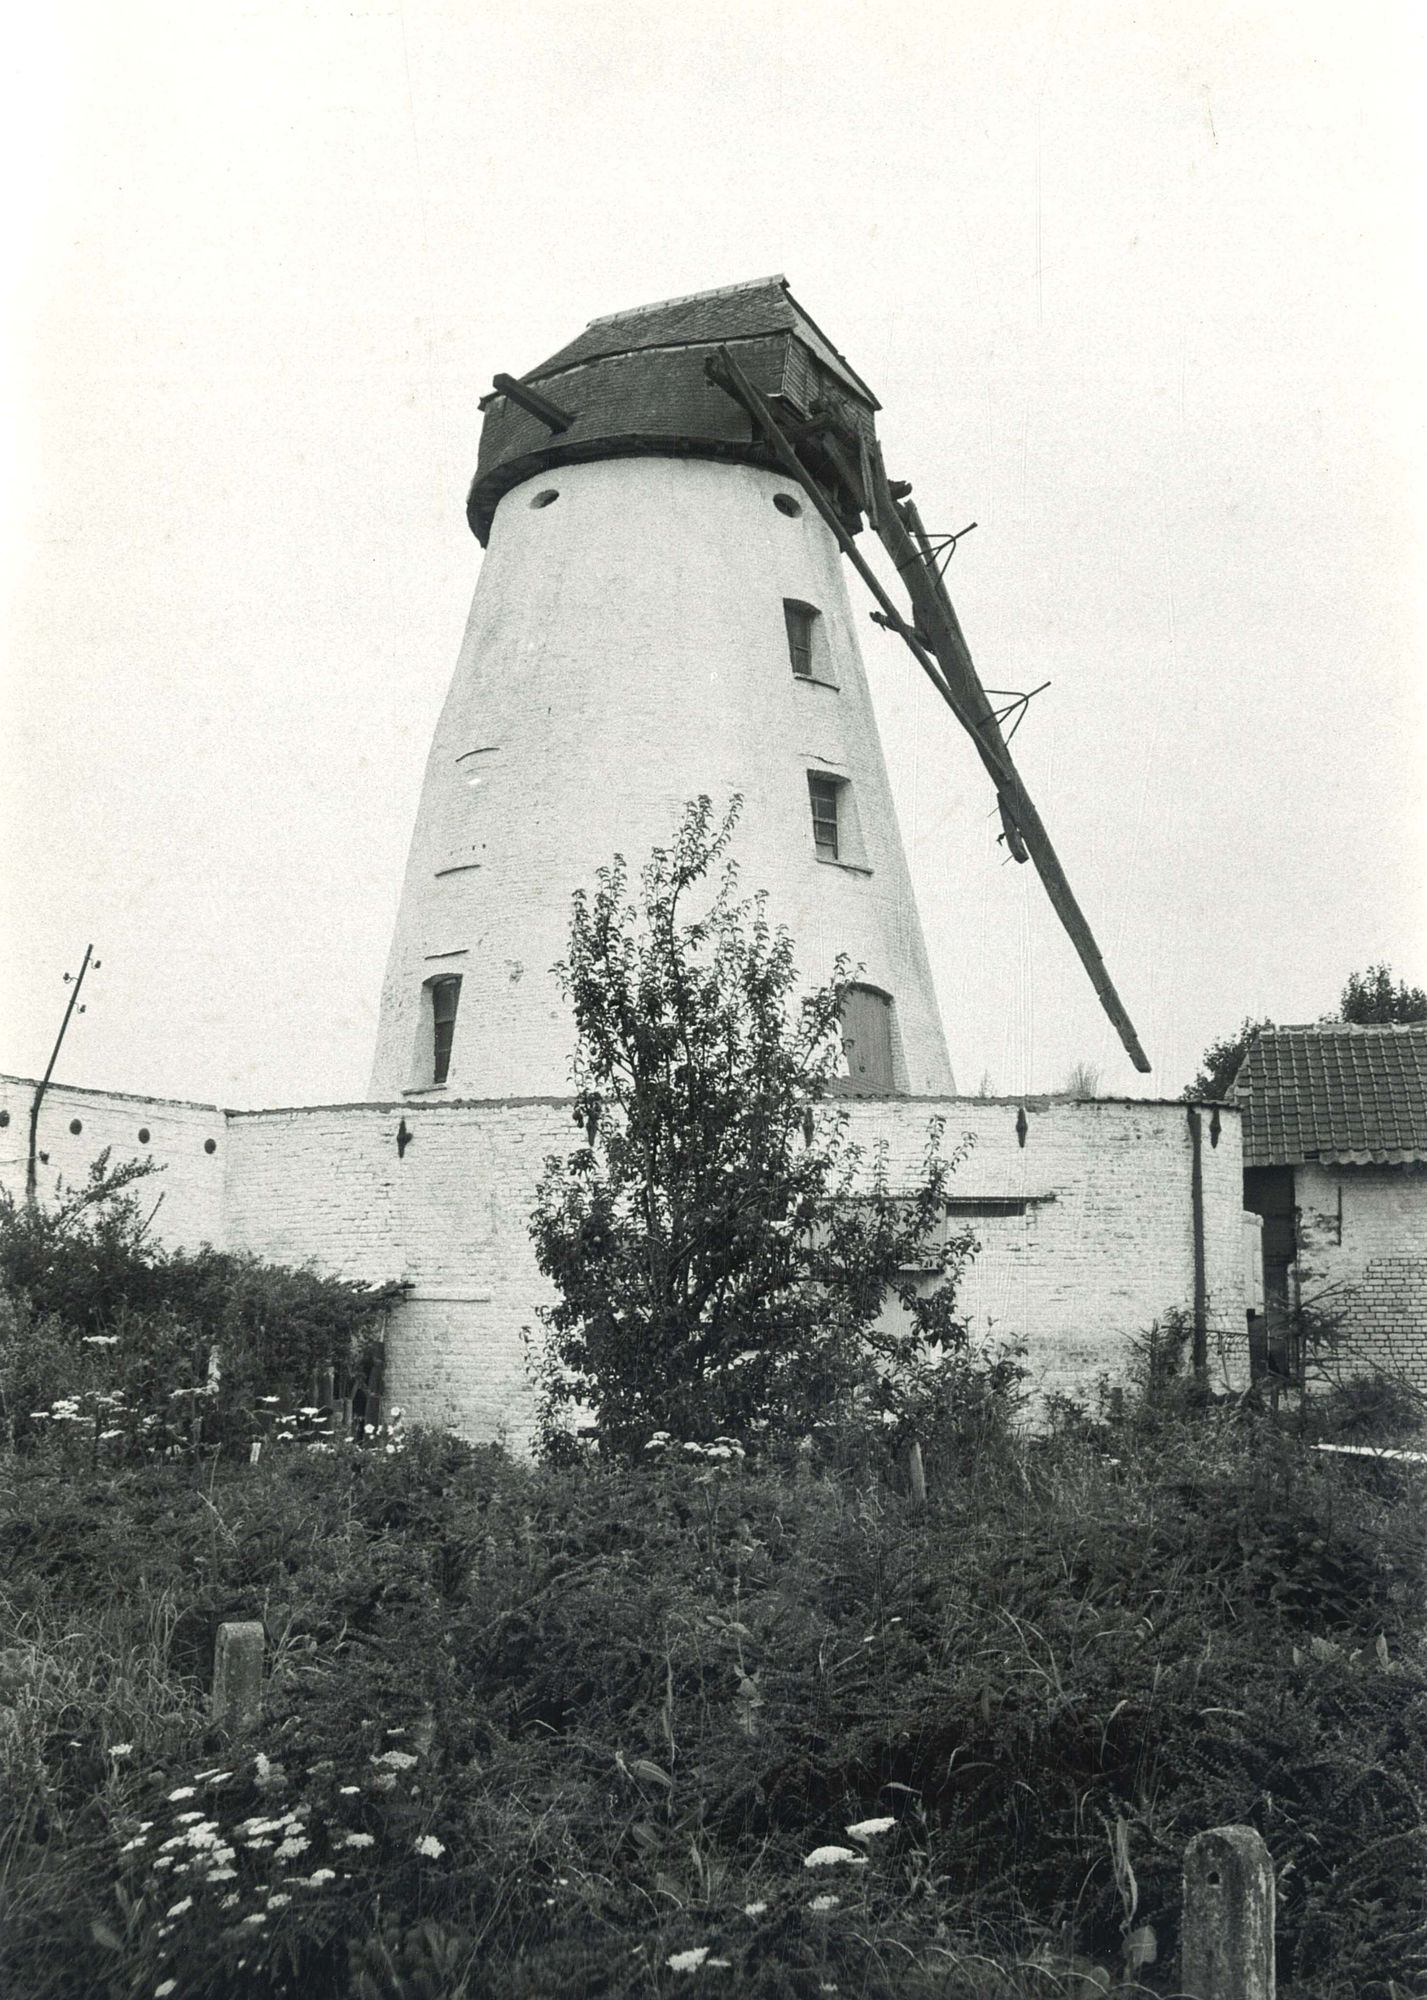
1362 1234
188 1181
1103 1247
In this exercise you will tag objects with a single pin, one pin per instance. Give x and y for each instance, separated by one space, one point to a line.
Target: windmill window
823 794
786 504
445 999
547 498
801 621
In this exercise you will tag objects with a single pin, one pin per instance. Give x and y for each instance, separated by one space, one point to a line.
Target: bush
723 1259
116 1343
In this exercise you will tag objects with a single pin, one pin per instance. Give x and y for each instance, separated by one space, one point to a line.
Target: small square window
823 794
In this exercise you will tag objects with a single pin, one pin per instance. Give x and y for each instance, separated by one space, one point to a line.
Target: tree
1372 997
1222 1060
722 1255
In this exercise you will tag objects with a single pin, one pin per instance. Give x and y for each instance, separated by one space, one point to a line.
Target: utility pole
43 1085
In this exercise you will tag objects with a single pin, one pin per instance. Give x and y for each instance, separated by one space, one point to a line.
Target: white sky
1139 287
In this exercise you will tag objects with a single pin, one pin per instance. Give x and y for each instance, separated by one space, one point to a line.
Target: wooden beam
910 549
723 370
550 414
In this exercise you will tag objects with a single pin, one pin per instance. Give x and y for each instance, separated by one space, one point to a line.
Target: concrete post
1226 1941
917 1473
238 1675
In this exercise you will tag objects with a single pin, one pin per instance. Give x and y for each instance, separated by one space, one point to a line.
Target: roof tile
1334 1092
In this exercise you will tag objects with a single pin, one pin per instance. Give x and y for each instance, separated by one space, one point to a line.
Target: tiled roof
736 312
1356 1096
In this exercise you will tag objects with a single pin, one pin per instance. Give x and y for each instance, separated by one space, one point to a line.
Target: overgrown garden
707 1697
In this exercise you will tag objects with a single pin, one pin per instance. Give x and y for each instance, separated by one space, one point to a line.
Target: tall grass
562 1732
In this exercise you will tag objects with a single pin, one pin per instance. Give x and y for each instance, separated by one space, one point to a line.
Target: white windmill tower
661 613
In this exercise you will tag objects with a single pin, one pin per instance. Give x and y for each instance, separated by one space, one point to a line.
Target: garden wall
1084 1208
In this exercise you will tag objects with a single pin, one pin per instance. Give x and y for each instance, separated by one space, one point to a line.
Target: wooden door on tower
867 1040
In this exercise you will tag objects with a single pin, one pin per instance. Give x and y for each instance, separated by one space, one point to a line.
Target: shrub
108 1337
722 1259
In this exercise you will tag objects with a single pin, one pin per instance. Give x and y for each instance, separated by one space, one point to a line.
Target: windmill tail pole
31 1169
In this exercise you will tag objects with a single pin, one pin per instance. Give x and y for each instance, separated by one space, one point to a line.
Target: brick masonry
1101 1246
1362 1258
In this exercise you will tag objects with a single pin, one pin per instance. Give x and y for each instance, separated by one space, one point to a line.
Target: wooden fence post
238 1675
1226 1939
917 1473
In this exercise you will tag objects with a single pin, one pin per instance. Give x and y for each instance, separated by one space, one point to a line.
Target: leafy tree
1222 1060
722 1256
1373 997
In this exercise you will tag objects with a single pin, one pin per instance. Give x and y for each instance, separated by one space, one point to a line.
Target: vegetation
542 1731
143 1349
1374 997
722 1259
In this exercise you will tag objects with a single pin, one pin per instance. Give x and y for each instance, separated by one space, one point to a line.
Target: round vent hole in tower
786 504
76 1125
143 1135
546 498
210 1145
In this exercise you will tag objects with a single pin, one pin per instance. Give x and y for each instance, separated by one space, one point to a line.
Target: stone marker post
238 1675
917 1474
1226 1940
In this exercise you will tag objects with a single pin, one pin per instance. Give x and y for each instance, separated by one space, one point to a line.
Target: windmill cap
634 382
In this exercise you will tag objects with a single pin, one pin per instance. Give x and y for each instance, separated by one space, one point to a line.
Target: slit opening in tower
442 998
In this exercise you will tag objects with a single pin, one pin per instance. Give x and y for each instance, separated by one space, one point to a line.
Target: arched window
445 999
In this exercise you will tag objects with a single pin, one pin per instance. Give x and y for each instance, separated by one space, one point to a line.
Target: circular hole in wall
76 1125
547 497
786 504
4 1118
210 1145
143 1135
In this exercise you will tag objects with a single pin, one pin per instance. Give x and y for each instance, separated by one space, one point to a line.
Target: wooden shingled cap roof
734 312
1346 1095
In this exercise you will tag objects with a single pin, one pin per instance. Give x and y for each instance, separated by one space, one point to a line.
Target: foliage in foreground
143 1349
566 1732
722 1258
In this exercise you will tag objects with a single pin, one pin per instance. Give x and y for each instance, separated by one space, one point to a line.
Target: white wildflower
357 1840
130 1845
183 1792
820 1905
430 1846
279 1899
184 1818
687 1961
291 1848
100 1340
164 1988
121 1749
256 1917
398 1760
318 1877
213 1777
346 1789
829 1857
754 1909
865 1829
183 1903
222 1874
230 1901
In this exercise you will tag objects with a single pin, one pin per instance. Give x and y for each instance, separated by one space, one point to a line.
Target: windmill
661 612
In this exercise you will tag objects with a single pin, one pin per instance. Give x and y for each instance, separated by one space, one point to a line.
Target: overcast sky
1139 287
